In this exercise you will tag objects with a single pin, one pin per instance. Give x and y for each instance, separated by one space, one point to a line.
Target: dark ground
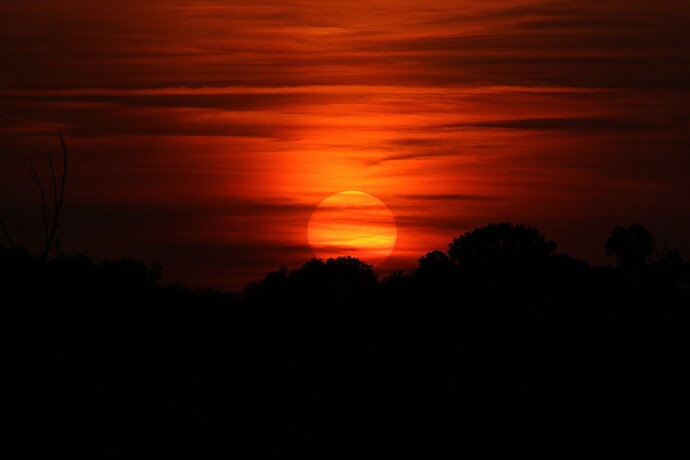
512 357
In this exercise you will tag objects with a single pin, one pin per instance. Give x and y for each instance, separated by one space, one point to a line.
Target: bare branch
3 227
31 169
58 199
52 175
64 168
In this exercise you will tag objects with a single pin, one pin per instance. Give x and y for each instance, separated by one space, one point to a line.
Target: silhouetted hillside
499 345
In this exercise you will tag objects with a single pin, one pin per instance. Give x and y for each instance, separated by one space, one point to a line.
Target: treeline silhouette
499 345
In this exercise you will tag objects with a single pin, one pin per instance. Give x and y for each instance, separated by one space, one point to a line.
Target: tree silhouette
335 280
631 246
102 360
434 261
500 246
433 275
50 224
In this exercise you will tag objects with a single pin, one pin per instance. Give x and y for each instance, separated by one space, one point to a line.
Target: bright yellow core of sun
352 223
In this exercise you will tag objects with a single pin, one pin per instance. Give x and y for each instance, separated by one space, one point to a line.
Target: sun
352 223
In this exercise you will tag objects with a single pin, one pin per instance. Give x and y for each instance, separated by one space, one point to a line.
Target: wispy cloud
562 124
450 197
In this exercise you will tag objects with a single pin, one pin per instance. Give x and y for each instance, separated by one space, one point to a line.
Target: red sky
202 134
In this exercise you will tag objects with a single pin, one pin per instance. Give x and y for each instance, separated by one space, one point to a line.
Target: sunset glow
355 224
204 134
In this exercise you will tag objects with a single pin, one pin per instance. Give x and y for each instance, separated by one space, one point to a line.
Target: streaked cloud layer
204 133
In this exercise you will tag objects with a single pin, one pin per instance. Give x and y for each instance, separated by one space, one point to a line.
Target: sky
202 135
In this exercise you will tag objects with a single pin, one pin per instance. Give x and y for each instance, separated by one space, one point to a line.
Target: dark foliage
631 246
499 347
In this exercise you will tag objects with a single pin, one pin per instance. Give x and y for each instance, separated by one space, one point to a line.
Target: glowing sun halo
352 223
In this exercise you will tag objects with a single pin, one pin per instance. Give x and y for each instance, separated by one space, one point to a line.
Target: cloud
293 43
411 156
449 197
561 124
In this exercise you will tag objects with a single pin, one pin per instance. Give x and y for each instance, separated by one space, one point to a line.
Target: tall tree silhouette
631 246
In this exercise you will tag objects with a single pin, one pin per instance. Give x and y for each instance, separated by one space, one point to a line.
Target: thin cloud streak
563 124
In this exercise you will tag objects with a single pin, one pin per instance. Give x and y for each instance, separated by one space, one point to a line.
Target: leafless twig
3 227
58 198
33 174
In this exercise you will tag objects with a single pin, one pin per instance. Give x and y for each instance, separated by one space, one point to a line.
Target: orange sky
203 134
